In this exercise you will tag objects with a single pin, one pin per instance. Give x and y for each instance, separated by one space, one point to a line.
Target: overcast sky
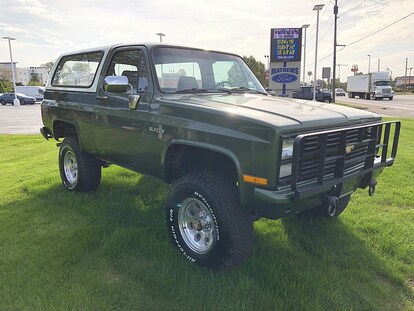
44 29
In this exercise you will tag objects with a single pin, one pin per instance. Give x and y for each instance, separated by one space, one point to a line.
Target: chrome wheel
197 226
70 166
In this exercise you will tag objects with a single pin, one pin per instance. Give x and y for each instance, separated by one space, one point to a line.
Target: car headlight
287 148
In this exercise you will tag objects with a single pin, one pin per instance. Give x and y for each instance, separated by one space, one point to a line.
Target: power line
367 36
353 8
383 28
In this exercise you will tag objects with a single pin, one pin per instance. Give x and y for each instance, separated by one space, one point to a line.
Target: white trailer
32 91
375 85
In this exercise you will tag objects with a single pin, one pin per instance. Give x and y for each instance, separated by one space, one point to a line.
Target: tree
48 66
257 67
6 86
35 82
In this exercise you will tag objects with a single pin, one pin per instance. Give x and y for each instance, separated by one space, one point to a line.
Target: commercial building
23 74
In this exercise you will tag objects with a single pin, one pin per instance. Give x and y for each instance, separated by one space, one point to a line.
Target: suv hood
281 112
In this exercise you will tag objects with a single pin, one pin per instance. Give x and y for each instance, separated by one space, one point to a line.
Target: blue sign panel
285 44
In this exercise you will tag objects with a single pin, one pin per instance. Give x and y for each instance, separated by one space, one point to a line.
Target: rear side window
77 70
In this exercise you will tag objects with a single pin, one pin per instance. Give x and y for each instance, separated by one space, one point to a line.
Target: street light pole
267 57
369 63
304 53
339 71
16 101
316 8
160 34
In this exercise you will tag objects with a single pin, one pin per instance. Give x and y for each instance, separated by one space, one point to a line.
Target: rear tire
79 171
206 223
3 102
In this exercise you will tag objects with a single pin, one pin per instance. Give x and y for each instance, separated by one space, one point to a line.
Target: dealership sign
285 44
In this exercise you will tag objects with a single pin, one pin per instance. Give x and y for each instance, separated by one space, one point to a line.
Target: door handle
101 97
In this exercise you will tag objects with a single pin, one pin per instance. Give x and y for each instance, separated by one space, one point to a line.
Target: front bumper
333 173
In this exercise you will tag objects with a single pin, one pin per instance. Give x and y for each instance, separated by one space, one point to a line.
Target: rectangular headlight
287 148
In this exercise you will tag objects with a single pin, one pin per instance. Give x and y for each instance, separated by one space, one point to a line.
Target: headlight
287 148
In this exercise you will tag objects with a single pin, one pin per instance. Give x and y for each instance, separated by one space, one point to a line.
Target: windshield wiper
192 90
197 90
246 89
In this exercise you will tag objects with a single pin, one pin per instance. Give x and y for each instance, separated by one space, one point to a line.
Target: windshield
382 83
182 70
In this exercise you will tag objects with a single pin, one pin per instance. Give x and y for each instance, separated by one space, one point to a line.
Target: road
20 120
27 119
400 106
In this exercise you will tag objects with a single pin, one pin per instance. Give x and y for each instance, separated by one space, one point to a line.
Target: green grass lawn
109 250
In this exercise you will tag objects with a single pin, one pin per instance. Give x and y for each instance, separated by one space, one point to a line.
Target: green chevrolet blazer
201 121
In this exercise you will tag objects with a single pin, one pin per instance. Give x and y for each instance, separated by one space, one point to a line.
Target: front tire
79 171
206 223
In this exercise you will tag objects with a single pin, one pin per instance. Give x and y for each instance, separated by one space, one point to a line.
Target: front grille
329 157
386 91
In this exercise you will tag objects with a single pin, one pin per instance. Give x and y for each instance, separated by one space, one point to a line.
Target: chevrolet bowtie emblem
349 149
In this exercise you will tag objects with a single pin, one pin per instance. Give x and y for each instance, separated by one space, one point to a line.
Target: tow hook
372 184
332 202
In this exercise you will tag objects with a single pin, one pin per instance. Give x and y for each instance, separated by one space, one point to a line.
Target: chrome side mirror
116 84
120 84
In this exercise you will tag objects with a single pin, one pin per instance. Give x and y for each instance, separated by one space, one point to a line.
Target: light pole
267 57
161 35
339 71
316 8
16 101
304 52
369 63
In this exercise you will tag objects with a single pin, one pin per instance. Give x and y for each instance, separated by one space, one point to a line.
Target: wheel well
64 129
181 160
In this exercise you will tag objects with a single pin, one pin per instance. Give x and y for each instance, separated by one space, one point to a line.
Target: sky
45 29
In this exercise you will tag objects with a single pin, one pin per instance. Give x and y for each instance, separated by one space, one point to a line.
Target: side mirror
116 84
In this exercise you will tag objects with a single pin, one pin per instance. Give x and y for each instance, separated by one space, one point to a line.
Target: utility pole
379 62
334 53
405 76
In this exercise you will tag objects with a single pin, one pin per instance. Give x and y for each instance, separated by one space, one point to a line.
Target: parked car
8 98
306 92
340 92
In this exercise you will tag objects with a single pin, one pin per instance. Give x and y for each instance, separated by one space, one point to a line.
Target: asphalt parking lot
20 120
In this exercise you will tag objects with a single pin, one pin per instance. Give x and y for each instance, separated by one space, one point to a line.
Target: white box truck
375 85
32 91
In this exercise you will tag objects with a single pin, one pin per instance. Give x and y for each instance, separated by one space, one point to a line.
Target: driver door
119 130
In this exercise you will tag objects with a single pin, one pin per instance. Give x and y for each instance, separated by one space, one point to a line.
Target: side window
77 70
131 64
